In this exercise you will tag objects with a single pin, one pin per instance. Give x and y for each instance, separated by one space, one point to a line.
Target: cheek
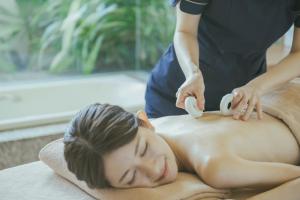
161 146
173 170
114 167
144 181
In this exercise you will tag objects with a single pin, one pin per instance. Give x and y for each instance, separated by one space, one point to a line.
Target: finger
259 110
180 101
177 93
236 108
200 100
237 97
238 111
250 108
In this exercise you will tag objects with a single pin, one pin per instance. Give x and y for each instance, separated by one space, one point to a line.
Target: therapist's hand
245 99
193 86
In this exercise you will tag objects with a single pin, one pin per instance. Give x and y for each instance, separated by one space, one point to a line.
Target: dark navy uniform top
233 37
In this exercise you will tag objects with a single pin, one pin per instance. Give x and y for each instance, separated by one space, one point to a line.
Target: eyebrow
135 152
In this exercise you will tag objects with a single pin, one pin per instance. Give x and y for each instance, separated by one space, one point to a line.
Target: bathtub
36 104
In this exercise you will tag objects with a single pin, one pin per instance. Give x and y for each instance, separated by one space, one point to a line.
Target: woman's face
147 161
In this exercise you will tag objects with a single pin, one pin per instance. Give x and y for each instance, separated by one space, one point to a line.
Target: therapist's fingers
237 97
239 110
250 108
259 110
180 102
200 100
180 99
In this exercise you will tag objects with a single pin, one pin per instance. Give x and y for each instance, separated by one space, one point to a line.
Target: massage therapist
220 47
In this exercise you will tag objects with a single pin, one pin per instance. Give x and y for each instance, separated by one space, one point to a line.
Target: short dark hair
94 131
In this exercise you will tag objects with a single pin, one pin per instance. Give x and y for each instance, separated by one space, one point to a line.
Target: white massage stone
224 105
191 107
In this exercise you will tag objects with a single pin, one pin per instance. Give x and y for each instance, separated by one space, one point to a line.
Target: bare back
268 140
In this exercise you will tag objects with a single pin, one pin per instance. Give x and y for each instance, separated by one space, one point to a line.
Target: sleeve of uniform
297 14
194 7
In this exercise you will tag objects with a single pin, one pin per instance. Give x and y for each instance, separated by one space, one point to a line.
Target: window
45 38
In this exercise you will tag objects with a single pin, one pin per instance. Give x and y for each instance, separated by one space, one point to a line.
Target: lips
164 171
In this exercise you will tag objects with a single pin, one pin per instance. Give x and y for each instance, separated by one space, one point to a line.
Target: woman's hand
245 99
193 86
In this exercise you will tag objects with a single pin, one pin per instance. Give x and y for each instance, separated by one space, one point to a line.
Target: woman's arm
249 95
235 172
186 42
187 52
285 70
287 191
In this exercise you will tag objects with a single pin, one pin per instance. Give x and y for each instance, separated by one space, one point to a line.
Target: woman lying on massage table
104 142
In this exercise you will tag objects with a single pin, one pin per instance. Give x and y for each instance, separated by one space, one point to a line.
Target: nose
150 167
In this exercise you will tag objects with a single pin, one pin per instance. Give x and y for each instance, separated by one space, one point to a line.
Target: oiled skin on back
267 140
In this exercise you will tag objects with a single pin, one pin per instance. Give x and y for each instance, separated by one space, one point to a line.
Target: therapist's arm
285 70
186 43
187 52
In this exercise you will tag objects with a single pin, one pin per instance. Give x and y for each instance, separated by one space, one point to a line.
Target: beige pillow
186 186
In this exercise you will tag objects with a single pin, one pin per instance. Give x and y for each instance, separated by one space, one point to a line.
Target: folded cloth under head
186 186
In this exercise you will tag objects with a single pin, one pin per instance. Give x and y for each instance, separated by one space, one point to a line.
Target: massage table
37 181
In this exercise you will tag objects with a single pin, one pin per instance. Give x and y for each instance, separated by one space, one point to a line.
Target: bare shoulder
212 170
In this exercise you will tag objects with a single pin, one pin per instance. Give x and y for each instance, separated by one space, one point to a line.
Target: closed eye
132 179
145 150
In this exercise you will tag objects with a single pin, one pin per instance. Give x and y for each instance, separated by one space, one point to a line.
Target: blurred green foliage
83 36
